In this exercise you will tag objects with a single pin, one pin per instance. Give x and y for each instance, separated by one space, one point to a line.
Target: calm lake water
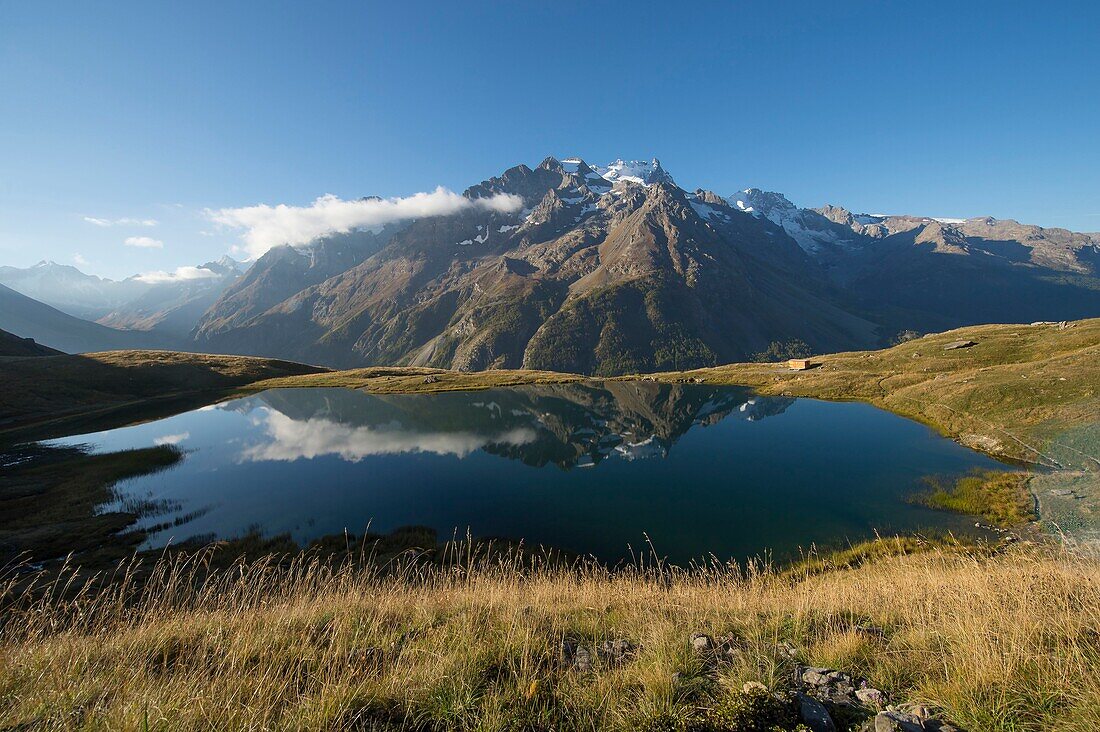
589 468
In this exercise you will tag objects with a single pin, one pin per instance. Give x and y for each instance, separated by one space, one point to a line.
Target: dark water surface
589 468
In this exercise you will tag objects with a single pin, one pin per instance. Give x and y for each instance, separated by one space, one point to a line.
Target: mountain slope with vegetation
15 347
28 318
74 391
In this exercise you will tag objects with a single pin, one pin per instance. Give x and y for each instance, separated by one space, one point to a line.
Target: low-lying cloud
143 242
270 226
126 221
180 274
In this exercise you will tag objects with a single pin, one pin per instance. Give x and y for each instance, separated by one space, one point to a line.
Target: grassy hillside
71 393
992 643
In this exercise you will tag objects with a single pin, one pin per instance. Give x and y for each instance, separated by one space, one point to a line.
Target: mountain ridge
613 269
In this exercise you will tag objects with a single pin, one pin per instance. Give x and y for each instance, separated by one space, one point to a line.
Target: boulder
814 714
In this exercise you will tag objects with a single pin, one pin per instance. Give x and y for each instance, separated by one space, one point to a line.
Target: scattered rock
431 379
816 676
786 649
814 714
955 345
582 660
897 722
871 696
616 652
701 643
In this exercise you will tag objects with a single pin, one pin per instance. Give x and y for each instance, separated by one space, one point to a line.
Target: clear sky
137 112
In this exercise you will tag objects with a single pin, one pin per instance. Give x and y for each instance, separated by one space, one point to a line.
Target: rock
582 660
814 714
955 345
431 379
874 697
616 652
575 655
751 686
843 690
701 643
816 676
897 722
786 649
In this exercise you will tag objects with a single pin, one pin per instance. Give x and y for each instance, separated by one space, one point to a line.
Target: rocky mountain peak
645 172
761 203
551 163
836 214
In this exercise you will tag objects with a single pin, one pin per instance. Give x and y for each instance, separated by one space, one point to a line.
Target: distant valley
605 270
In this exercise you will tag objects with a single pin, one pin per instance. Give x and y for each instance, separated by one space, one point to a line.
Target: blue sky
126 112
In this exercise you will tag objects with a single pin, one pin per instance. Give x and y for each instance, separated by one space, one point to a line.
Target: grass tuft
1001 498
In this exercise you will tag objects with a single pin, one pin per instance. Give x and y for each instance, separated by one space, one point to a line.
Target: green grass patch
1001 498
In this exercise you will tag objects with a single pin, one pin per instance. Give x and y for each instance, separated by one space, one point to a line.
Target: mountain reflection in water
592 467
571 425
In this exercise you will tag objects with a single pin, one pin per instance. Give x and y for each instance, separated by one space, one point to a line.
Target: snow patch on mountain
645 172
810 230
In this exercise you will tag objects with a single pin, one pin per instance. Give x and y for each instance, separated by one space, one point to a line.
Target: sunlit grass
994 641
999 497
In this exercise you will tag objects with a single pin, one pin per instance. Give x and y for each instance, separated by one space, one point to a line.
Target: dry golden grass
1008 641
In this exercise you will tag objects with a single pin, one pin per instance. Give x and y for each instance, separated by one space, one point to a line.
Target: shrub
782 350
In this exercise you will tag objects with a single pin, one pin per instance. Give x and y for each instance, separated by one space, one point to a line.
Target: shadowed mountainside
14 346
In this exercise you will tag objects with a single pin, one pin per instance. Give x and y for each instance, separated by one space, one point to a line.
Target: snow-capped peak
810 230
761 203
645 172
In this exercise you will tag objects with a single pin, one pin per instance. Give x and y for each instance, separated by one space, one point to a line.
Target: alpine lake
606 469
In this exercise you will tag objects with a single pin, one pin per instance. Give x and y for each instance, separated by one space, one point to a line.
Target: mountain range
168 304
606 270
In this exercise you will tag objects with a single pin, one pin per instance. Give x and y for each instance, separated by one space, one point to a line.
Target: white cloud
269 226
143 242
178 275
297 439
81 261
120 222
171 439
